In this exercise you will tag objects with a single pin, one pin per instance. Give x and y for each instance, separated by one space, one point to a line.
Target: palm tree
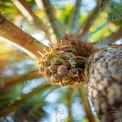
85 57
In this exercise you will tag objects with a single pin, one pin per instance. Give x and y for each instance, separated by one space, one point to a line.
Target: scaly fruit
104 75
61 66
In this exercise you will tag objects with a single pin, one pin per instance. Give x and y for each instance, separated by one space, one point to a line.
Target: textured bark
104 73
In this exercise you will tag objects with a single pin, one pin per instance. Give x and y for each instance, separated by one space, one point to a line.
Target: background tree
25 94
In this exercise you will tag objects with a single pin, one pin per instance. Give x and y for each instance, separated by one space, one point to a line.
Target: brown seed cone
104 75
61 66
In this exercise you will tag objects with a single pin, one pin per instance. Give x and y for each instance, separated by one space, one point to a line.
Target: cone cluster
61 67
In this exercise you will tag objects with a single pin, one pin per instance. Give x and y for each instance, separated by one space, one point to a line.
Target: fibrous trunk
104 74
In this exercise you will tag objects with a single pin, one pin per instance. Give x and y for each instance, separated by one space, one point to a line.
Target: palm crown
20 99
